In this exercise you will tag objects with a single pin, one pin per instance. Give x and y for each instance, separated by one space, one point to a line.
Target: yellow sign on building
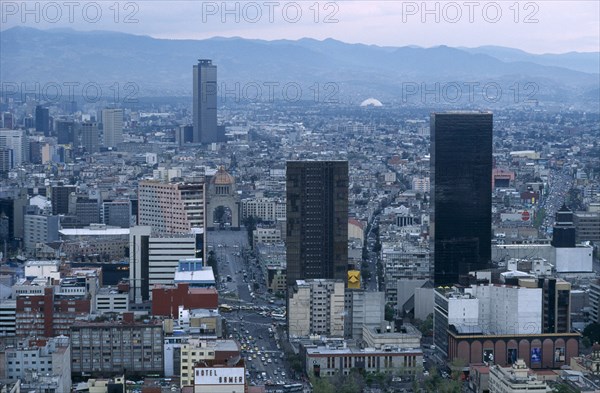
354 279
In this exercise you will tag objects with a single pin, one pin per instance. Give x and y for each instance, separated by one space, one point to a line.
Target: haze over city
315 197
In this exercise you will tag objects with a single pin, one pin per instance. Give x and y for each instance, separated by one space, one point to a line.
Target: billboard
219 376
559 354
536 356
511 356
488 356
354 279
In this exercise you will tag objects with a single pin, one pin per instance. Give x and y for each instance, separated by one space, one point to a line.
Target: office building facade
205 102
317 220
154 258
112 123
461 173
88 137
42 120
171 207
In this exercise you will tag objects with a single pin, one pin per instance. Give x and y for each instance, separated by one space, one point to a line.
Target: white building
15 140
317 307
109 300
515 379
154 258
8 315
43 269
267 209
219 378
112 121
421 184
266 235
51 359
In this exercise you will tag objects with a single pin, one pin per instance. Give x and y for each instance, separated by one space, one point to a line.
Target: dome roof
371 102
222 177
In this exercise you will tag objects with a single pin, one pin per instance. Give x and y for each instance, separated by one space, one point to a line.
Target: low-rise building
316 307
515 379
337 357
198 350
111 300
107 348
50 357
214 376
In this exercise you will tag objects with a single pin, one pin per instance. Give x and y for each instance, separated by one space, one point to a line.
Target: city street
243 288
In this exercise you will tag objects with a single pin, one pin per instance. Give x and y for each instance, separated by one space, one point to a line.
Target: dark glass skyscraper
42 120
317 220
205 102
461 181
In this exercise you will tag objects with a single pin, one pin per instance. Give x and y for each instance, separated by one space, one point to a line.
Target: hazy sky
544 26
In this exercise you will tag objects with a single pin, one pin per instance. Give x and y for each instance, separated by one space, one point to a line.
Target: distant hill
354 71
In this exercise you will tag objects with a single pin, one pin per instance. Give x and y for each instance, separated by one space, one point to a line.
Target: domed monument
222 202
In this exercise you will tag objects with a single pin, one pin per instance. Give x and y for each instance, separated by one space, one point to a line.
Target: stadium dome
371 102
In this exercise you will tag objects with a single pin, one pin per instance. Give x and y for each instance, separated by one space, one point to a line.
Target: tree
426 326
390 312
592 332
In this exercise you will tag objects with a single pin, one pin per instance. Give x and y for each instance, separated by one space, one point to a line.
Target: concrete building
504 322
336 357
197 350
171 207
111 300
403 263
88 138
50 357
220 377
112 123
40 228
594 295
515 379
167 299
265 209
154 258
59 195
107 348
587 226
117 213
316 307
266 235
222 202
15 140
421 184
363 309
8 314
52 312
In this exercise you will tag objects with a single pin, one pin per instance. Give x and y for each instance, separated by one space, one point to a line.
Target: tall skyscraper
89 137
205 102
42 120
461 176
112 121
317 220
65 130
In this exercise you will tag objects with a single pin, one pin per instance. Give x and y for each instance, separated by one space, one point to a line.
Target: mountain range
162 67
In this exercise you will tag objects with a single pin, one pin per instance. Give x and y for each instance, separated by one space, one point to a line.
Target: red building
166 300
50 314
539 351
